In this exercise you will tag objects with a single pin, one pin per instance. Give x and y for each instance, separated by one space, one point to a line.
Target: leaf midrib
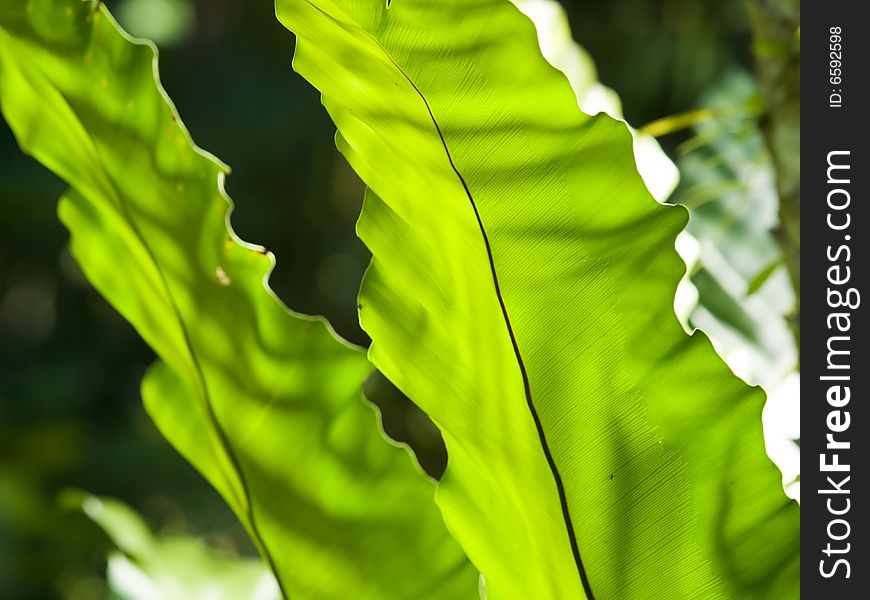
210 410
200 375
560 487
212 414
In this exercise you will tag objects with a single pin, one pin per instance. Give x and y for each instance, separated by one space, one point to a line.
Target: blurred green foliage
143 566
728 182
70 412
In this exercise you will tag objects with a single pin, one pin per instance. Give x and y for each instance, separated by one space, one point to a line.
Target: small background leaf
146 566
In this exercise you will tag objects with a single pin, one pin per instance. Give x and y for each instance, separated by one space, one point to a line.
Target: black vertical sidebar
835 178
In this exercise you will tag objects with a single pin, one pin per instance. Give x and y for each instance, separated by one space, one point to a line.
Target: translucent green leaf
265 403
521 293
559 48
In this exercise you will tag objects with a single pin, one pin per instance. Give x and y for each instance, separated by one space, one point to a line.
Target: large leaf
521 293
659 173
265 403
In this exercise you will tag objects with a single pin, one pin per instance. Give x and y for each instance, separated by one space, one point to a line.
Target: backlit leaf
265 403
521 293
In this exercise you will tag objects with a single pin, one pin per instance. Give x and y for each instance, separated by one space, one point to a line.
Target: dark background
830 129
70 413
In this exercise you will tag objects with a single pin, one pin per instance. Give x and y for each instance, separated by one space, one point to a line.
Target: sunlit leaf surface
265 403
659 173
